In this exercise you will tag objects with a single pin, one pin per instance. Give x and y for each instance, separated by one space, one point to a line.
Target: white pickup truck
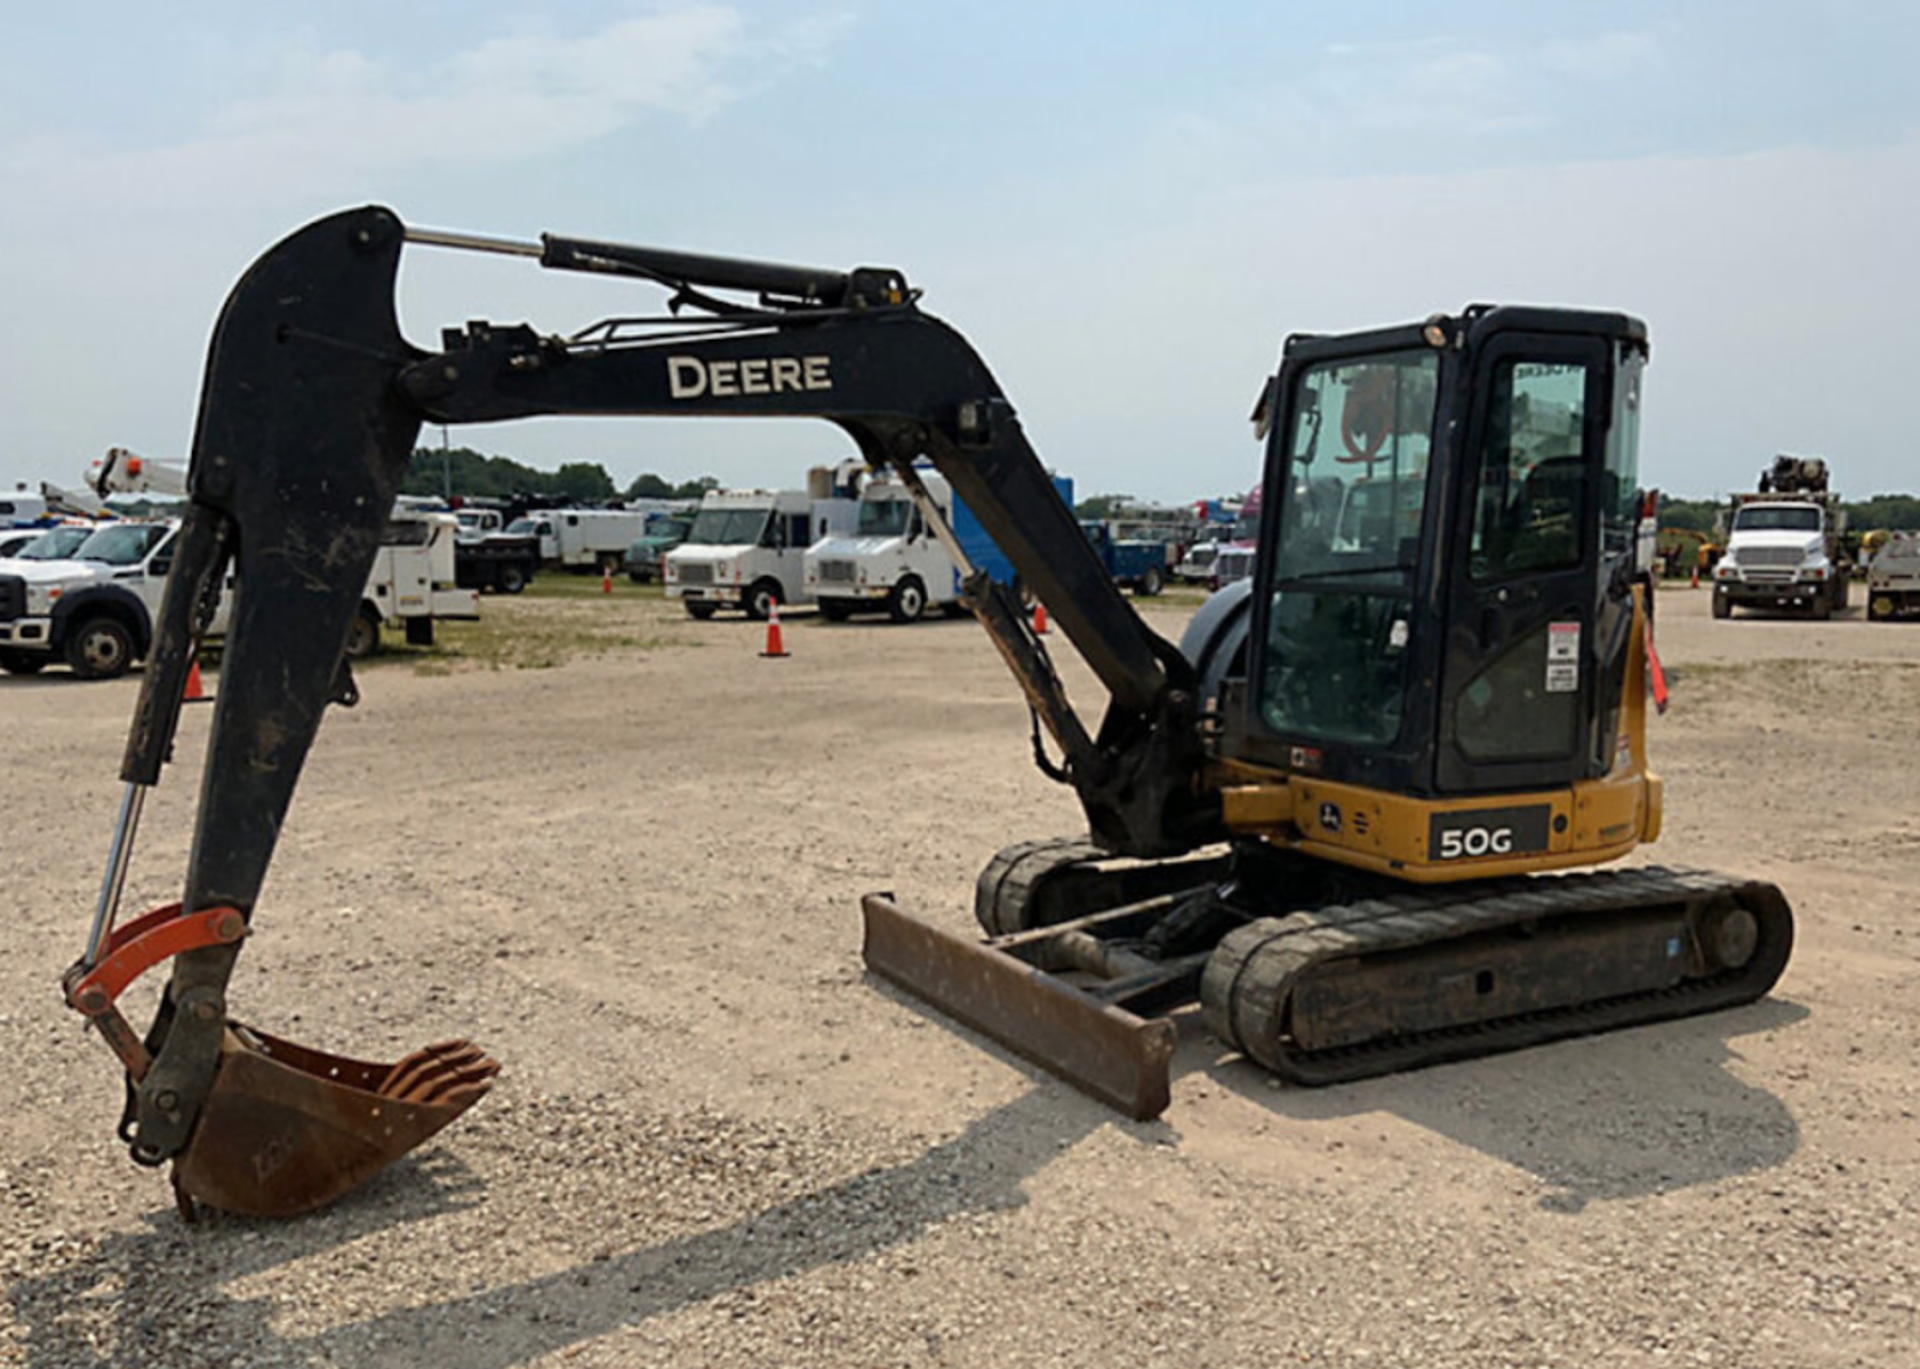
94 611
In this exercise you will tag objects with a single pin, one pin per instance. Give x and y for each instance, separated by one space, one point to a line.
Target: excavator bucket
282 1128
1079 1035
287 1128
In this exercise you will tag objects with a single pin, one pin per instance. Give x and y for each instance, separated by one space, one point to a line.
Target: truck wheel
363 638
761 600
1722 606
511 579
908 600
1150 583
100 649
701 609
1840 594
836 610
1821 608
22 662
1879 609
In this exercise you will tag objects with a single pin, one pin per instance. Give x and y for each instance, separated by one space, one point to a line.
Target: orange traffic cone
1039 619
1696 577
196 693
606 579
776 645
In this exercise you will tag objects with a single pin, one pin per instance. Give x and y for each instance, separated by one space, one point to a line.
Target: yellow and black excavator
1328 814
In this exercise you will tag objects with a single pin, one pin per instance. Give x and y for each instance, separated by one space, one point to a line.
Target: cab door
1518 675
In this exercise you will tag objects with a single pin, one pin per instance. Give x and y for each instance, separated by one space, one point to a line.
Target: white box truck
892 561
747 548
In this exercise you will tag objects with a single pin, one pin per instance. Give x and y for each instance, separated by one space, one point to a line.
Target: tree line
465 472
1899 512
469 474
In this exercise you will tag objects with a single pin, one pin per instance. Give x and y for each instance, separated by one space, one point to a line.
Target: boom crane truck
1326 813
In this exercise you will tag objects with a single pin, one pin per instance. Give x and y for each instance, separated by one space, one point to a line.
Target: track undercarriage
1319 974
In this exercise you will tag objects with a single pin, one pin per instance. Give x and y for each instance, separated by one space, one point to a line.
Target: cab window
1531 503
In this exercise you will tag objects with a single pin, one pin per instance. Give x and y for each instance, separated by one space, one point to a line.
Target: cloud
1608 56
337 119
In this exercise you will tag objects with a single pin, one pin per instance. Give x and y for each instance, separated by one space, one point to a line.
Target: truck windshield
1796 518
728 527
124 544
883 517
523 527
55 544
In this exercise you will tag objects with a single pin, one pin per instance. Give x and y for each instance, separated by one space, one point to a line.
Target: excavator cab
1445 590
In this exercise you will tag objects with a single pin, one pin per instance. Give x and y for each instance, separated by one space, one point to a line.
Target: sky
1124 206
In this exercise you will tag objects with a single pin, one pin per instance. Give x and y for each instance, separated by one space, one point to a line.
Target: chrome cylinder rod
473 242
934 519
118 857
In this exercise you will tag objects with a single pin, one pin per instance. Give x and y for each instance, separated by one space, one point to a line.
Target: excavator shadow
119 1304
1634 1112
137 1278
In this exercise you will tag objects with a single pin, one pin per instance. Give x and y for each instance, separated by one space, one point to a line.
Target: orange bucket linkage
283 1128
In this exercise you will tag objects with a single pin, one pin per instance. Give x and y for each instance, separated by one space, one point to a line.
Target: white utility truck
582 539
1783 544
94 610
747 548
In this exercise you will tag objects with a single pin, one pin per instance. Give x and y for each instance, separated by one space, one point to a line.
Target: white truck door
788 533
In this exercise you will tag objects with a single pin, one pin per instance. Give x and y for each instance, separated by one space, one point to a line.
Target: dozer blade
1097 1047
287 1129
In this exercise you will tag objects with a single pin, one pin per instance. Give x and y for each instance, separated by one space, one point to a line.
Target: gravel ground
634 878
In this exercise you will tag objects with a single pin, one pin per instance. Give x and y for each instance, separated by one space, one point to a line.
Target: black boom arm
311 406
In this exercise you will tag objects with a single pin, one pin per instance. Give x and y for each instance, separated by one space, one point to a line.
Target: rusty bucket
282 1128
287 1128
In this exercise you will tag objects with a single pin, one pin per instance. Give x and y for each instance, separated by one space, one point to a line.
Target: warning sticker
1563 658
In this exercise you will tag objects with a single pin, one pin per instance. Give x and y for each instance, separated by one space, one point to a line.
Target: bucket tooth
287 1128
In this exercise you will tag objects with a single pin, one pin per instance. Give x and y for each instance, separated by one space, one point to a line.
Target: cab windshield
1801 518
1348 543
883 517
727 527
124 544
55 544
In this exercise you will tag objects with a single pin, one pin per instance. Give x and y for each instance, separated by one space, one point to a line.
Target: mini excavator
1339 813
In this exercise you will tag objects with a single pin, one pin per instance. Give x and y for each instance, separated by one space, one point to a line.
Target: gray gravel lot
634 878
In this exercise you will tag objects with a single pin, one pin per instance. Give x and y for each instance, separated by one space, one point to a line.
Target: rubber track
1005 888
1248 982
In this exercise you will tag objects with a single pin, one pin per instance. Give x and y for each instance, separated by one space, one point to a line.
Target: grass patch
556 619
